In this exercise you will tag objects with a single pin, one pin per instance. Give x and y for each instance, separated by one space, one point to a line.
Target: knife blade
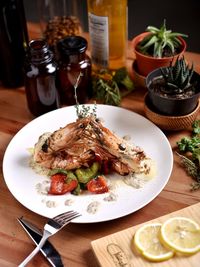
48 250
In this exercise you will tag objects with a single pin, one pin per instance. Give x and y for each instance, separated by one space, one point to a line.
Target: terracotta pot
169 105
146 64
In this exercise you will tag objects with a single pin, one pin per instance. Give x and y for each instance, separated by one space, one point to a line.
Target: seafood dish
80 155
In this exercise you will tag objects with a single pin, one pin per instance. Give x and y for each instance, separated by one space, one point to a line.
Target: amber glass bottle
73 62
40 75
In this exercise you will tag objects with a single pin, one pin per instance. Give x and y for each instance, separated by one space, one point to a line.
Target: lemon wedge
146 241
181 235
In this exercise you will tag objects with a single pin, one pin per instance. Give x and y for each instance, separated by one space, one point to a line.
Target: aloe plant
160 40
177 77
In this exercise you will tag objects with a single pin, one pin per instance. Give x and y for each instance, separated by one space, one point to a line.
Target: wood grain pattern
74 242
117 250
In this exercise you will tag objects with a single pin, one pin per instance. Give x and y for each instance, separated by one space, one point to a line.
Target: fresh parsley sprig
190 147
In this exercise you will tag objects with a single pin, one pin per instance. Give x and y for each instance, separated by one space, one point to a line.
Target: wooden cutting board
115 250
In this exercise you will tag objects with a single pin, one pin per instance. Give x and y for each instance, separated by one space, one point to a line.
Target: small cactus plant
177 77
160 42
174 90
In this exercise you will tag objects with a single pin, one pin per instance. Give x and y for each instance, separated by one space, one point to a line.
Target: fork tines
65 217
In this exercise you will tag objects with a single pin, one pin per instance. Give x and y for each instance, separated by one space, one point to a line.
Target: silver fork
51 227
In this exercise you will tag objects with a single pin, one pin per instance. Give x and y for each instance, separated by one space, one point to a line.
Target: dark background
180 16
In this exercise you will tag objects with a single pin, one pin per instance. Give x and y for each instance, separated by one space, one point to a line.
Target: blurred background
180 17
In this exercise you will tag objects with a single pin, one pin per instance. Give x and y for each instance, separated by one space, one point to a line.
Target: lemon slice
146 240
181 235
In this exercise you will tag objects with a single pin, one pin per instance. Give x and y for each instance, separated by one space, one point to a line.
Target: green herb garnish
83 111
190 146
196 127
86 111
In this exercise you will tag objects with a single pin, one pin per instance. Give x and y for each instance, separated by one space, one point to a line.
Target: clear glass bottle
14 41
40 76
74 65
108 32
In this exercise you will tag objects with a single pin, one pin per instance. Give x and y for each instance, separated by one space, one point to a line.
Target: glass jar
59 19
40 75
74 68
108 32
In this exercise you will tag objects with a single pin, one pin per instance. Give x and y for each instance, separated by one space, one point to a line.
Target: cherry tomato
97 185
69 185
60 184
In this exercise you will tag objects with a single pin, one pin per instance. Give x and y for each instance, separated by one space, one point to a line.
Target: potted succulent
174 90
156 48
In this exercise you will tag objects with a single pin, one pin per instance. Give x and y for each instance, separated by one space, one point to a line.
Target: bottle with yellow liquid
108 33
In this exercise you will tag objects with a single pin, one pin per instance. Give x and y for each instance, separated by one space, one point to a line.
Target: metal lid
72 45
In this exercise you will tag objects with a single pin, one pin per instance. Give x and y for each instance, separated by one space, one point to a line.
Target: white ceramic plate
21 179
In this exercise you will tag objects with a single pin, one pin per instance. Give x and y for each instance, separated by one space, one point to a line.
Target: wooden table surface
73 242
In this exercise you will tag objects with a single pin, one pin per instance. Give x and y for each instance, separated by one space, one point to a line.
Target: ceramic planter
169 105
146 64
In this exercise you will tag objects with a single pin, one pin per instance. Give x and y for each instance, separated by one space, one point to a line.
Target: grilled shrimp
77 145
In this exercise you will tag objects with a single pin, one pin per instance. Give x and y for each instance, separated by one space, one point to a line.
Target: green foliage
196 127
196 155
107 85
160 39
121 77
190 147
187 144
190 166
190 144
106 91
177 77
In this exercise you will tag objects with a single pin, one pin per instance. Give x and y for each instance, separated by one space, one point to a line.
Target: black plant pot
168 105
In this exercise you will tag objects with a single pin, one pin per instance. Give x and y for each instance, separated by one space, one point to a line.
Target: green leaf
158 51
155 49
163 27
176 34
153 40
171 45
176 74
152 29
145 40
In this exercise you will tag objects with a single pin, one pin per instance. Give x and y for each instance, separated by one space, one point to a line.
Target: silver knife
48 250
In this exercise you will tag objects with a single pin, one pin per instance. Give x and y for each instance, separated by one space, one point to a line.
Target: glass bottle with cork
73 64
40 76
108 32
